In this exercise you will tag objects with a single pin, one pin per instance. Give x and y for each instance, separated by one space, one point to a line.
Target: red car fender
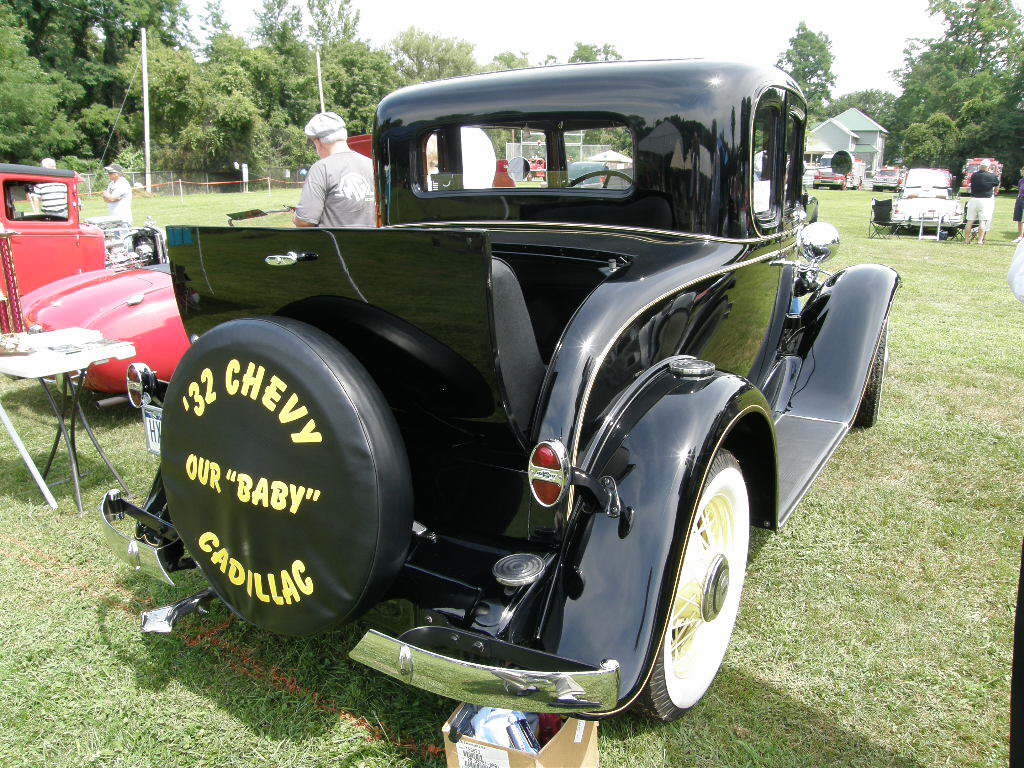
136 306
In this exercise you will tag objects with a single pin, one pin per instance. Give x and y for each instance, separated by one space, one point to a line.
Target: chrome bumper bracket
140 555
579 689
161 620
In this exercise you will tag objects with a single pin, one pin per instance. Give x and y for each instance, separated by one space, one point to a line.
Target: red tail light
548 472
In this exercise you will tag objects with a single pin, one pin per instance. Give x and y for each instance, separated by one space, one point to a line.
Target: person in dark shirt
982 203
1018 208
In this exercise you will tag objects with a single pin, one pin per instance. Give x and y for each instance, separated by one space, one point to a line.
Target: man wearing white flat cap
339 186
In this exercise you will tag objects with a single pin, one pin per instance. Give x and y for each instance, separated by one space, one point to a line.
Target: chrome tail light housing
548 472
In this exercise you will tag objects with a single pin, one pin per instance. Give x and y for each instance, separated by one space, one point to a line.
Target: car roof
35 170
644 92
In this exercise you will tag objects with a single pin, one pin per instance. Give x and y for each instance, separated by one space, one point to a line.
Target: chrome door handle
287 259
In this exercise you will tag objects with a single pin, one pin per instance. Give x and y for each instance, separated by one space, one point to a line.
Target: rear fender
842 325
657 445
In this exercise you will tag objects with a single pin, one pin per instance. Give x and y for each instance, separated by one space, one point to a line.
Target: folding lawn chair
880 224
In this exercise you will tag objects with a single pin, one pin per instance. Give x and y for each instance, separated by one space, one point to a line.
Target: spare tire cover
286 476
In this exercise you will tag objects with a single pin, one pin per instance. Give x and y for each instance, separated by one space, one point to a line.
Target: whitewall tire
707 594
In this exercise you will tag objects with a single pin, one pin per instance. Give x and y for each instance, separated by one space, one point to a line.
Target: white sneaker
1017 239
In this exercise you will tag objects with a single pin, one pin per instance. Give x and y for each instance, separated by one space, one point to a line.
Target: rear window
526 157
925 177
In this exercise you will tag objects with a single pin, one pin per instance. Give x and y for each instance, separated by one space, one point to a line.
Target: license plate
151 420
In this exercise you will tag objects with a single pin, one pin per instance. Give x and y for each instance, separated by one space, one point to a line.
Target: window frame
773 98
554 132
9 211
793 182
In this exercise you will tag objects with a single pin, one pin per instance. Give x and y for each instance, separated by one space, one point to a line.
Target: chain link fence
181 182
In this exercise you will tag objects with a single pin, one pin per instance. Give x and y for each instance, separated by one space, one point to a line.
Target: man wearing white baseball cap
118 194
339 186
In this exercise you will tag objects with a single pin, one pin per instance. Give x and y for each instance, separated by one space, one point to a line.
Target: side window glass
484 157
599 157
40 201
764 166
794 159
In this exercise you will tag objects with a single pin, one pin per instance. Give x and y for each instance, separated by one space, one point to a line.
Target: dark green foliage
69 68
809 61
420 56
962 91
509 60
589 52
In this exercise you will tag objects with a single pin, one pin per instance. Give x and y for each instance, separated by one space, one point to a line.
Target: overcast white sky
868 36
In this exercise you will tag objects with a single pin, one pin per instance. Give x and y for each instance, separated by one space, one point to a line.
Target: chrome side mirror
818 242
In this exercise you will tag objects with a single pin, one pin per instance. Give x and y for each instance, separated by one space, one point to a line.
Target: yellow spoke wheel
707 594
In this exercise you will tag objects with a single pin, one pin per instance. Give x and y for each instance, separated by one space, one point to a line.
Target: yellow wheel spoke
682 632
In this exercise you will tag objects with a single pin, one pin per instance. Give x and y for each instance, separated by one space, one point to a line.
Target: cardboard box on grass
574 746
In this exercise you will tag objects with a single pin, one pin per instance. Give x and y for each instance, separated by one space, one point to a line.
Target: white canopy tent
611 156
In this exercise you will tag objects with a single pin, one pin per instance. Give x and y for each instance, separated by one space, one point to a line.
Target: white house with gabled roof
852 131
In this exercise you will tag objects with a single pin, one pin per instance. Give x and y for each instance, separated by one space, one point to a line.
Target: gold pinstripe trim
599 361
679 566
660 234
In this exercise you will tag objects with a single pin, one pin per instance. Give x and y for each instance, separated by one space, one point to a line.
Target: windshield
926 177
884 172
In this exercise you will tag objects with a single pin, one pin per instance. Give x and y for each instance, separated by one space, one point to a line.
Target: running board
805 446
161 621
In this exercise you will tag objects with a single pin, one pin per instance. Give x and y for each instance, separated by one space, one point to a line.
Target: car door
46 246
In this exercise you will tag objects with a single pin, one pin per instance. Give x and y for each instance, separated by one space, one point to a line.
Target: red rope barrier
213 183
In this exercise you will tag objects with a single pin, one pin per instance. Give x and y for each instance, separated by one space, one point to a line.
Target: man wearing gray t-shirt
339 186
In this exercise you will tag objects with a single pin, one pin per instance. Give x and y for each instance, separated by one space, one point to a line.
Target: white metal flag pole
320 81
145 109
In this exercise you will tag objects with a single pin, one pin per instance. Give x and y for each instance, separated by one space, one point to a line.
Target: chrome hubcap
716 587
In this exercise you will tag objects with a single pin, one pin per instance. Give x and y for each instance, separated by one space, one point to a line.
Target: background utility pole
145 109
320 81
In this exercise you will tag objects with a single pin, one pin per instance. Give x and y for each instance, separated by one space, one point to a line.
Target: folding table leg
56 437
16 439
72 458
95 442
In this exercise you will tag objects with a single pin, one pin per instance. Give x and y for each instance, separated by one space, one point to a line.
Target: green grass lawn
875 630
207 210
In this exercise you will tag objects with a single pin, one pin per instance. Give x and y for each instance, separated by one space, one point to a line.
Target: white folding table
61 354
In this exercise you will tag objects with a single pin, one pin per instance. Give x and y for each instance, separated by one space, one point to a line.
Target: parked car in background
50 241
136 305
826 177
927 196
840 171
974 164
131 298
887 178
101 273
524 431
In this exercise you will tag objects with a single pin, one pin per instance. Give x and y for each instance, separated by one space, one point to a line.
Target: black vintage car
524 427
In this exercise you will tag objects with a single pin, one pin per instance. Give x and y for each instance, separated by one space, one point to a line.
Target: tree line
961 94
71 88
72 85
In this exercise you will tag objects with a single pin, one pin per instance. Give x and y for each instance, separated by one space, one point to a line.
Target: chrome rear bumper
138 554
583 689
